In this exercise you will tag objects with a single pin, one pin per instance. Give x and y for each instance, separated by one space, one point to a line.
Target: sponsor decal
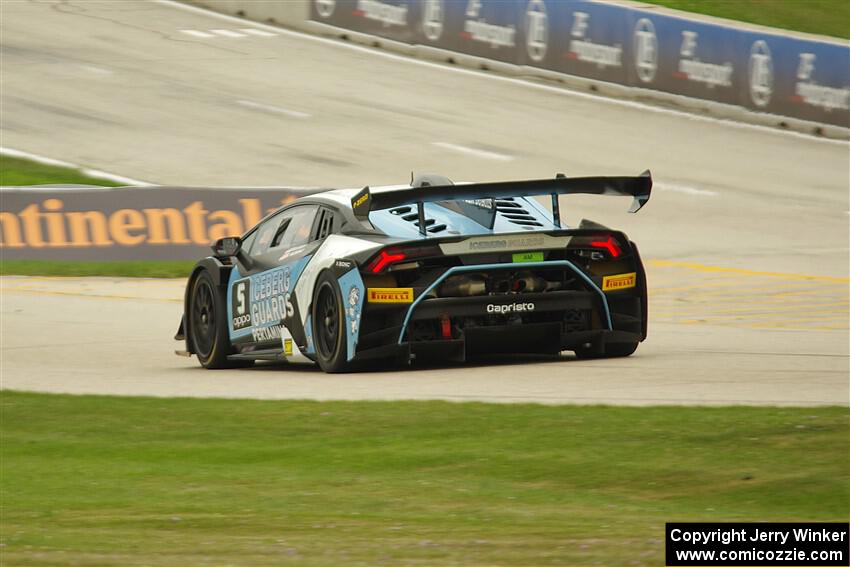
432 19
646 50
390 295
480 203
344 264
497 244
690 68
761 73
325 8
808 91
510 308
262 302
270 298
583 49
292 252
361 200
241 293
619 281
265 334
351 284
353 310
536 30
476 29
386 14
287 347
528 257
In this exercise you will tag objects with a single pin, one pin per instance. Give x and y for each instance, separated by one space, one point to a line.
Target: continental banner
756 68
128 223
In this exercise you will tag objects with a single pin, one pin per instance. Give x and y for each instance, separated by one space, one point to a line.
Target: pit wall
624 50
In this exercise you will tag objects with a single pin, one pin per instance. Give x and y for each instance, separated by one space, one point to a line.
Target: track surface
126 87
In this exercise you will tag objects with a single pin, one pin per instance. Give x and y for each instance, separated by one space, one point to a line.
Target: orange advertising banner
128 223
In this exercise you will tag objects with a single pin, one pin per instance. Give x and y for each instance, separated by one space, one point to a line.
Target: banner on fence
127 223
762 71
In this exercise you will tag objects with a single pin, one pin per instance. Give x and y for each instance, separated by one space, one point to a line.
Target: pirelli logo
619 281
390 295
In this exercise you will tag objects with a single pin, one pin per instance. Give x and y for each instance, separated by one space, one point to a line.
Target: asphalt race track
746 236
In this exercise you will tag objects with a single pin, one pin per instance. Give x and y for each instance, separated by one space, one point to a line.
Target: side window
324 227
295 228
263 236
285 230
248 241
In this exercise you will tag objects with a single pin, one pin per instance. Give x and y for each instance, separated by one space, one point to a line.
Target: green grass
141 481
129 268
17 171
824 17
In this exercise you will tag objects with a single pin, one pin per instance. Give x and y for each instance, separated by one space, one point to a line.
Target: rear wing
483 195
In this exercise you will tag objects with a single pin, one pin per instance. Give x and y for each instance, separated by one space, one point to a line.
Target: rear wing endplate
639 188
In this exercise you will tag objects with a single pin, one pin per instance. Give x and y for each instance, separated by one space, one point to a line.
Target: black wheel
329 334
208 323
612 350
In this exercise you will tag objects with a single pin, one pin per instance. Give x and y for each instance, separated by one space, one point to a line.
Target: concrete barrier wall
625 50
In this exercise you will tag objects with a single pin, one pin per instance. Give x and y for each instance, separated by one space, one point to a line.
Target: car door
260 290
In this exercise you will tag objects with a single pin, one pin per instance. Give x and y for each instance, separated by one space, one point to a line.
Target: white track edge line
548 88
96 173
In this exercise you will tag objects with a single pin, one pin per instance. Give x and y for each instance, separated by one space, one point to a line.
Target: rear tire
208 330
612 350
329 336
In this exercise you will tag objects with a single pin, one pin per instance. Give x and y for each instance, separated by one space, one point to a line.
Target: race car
427 270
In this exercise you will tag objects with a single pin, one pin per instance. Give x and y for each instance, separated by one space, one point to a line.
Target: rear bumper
544 322
535 338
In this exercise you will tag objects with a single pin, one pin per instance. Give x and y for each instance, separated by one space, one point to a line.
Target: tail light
596 246
384 259
609 244
387 258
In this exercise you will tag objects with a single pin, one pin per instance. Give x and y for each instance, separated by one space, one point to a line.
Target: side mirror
227 247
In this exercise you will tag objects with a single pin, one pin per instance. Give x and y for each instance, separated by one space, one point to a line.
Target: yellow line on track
741 271
13 290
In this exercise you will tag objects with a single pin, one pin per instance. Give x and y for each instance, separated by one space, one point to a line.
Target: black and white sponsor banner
128 223
761 70
762 544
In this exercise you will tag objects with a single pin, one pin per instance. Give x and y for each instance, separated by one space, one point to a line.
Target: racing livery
425 270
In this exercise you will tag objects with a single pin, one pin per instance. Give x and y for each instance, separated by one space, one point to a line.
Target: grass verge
18 171
135 481
134 268
824 17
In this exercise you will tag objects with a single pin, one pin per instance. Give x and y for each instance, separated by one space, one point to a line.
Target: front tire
329 336
208 323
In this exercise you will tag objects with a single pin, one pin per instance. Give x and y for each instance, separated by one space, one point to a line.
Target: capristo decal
619 281
510 308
